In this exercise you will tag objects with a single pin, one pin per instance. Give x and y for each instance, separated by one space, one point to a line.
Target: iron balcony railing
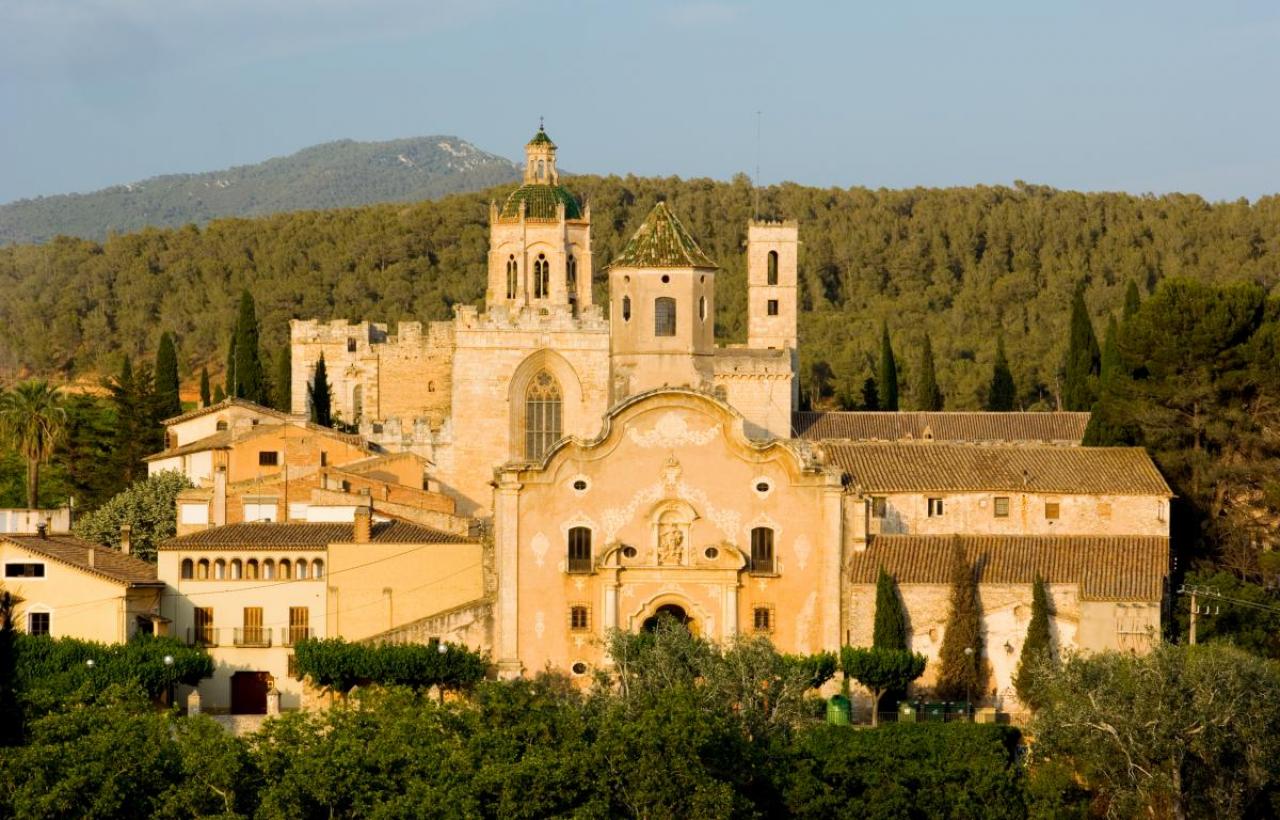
253 636
290 635
202 636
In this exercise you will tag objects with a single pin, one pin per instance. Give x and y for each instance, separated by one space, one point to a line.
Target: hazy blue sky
1137 96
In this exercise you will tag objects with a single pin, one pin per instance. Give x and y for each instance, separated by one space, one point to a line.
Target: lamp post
168 662
968 679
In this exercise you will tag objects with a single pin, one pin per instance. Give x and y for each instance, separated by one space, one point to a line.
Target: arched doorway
673 611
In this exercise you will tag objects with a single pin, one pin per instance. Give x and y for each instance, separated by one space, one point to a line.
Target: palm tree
32 421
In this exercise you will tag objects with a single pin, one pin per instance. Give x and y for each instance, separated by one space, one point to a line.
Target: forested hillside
963 264
333 175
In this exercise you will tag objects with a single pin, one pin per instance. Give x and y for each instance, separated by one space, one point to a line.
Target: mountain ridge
337 174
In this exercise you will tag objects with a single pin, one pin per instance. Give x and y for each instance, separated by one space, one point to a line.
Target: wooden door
249 693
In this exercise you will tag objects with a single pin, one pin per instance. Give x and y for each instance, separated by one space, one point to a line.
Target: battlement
774 223
553 318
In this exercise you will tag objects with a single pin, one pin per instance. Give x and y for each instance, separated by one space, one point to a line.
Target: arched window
317 569
512 283
286 570
580 549
236 575
202 570
188 569
220 570
220 426
762 550
772 272
269 570
702 308
626 308
357 402
571 278
541 277
542 405
251 569
302 570
431 387
542 169
664 316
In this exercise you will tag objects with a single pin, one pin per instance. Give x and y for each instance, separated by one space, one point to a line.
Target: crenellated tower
539 240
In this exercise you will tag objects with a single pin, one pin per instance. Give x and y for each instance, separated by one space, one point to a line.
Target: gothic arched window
541 277
773 268
626 308
664 316
542 406
511 277
571 277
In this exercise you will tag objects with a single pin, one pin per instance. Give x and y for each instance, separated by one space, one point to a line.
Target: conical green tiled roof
662 242
541 138
540 202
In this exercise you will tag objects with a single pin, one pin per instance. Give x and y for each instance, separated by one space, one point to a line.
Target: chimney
220 496
42 529
90 557
126 539
364 525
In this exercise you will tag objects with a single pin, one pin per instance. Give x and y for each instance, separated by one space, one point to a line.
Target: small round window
629 552
580 484
712 553
762 487
665 279
579 668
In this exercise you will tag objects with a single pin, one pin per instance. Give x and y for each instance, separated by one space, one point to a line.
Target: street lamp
168 662
89 663
441 648
968 678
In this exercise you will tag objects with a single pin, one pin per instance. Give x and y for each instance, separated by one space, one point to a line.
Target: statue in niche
670 544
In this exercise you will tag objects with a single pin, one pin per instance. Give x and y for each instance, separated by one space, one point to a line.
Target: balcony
253 636
581 565
290 635
202 636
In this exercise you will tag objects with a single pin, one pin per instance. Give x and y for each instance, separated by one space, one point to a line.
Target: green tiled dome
540 202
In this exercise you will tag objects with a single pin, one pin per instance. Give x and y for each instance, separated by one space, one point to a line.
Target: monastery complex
542 469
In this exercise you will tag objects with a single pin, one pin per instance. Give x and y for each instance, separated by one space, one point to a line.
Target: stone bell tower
772 272
539 240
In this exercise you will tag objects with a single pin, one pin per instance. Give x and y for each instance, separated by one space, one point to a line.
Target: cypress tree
205 397
1037 649
930 393
1132 301
888 382
168 402
282 382
1002 395
1080 386
137 430
962 674
870 394
890 630
247 360
321 396
1110 365
219 395
229 383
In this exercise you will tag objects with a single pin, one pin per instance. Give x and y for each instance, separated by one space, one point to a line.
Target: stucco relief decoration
803 549
539 546
671 545
539 624
729 522
673 431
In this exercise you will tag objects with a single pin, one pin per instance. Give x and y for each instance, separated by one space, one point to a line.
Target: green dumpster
959 710
838 710
935 712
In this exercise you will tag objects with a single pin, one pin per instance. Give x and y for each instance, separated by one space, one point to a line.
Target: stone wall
974 514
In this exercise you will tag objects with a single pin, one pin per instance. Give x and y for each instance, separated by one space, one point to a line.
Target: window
286 570
301 574
1001 506
317 569
626 308
772 307
664 316
702 308
579 618
299 624
541 277
580 549
24 570
935 507
220 426
762 619
37 623
204 626
512 282
542 405
187 569
268 458
236 573
762 550
431 387
252 633
542 169
879 507
351 345
268 570
202 570
251 569
1052 509
571 277
324 459
771 276
220 569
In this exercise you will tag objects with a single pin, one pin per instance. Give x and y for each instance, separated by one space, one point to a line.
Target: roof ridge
662 241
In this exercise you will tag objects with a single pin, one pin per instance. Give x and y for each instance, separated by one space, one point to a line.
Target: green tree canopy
245 377
149 507
890 628
321 395
206 398
1080 379
881 670
166 389
32 421
962 674
929 394
1038 654
888 381
1002 395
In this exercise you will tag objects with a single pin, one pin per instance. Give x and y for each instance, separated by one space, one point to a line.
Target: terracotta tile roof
1050 428
662 242
306 536
1107 568
220 440
74 552
920 467
226 439
223 405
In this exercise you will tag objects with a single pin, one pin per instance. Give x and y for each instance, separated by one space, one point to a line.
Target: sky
1118 95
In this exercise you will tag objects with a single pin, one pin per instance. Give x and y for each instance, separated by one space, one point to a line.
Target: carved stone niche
671 521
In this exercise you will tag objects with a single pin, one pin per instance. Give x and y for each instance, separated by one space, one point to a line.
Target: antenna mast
755 205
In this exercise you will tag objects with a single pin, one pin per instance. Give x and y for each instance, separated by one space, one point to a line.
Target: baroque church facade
627 465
